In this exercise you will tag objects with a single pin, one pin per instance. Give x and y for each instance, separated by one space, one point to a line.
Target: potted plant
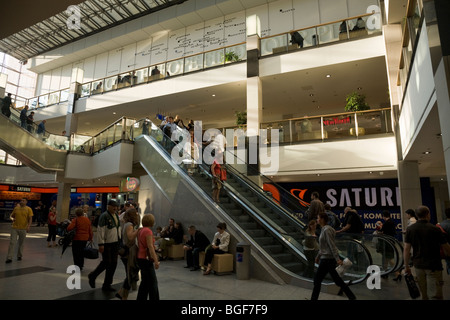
356 102
231 56
241 118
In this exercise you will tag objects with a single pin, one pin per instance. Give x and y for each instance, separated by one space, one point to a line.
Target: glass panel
214 58
43 101
53 98
306 129
33 103
275 44
64 95
372 123
97 87
357 28
329 33
110 83
157 72
80 143
235 53
175 67
125 80
193 63
141 76
340 126
85 90
283 131
310 36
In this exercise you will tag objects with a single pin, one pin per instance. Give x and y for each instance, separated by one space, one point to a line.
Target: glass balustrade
349 125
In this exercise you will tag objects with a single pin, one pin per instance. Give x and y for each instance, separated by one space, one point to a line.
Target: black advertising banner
368 197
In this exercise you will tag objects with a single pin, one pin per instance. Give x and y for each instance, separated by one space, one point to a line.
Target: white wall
119 49
115 160
419 96
363 155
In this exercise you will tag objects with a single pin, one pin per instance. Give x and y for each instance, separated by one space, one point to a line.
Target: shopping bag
89 252
412 286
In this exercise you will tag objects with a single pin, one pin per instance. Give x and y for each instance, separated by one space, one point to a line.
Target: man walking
6 105
22 216
426 241
108 235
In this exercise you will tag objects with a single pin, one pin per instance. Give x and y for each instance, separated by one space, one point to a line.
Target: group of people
425 245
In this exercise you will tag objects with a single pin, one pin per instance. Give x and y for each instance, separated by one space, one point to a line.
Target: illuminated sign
19 189
337 120
132 184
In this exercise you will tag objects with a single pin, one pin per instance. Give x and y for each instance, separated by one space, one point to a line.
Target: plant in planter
231 56
241 118
356 102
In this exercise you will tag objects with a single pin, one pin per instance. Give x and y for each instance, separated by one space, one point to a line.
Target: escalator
274 229
39 152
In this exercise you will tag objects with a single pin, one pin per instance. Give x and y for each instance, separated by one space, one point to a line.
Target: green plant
231 56
356 102
241 117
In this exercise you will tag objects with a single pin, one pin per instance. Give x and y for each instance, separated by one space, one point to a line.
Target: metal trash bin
243 261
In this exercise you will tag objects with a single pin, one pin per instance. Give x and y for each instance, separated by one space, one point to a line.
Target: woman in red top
147 260
83 234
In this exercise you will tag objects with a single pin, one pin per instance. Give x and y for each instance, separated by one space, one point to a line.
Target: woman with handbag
83 234
147 260
129 234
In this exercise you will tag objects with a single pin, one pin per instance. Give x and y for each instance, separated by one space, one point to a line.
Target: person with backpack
333 219
6 104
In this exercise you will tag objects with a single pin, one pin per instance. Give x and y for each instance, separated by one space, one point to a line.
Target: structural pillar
409 187
254 95
63 201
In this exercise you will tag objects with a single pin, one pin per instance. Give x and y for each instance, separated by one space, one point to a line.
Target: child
51 226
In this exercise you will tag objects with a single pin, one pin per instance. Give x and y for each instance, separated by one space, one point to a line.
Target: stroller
61 230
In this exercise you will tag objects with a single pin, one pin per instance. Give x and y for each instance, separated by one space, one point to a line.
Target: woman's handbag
89 252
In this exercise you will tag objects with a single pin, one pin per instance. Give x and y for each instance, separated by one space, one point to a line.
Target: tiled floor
41 275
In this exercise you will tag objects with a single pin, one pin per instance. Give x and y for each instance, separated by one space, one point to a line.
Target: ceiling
36 27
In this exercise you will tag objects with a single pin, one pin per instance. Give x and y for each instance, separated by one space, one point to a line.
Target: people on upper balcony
155 71
360 24
343 27
296 38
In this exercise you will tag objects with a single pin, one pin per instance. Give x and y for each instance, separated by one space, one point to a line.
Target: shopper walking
108 234
426 241
327 259
22 217
83 234
147 260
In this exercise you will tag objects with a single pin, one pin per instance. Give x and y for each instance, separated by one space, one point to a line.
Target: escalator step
264 240
273 248
283 257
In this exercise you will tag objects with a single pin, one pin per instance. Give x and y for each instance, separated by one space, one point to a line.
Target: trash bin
242 261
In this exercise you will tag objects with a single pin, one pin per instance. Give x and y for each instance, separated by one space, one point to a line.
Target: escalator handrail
283 237
273 204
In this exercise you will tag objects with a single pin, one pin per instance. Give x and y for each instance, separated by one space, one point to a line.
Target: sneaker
8 261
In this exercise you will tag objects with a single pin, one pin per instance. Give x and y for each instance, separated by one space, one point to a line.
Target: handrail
320 25
329 115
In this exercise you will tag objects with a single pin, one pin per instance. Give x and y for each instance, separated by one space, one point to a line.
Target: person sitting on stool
218 246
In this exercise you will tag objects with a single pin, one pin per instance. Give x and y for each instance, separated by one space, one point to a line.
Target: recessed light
427 152
213 95
328 75
114 113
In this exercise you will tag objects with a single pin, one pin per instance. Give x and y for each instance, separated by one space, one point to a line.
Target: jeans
430 281
148 288
329 266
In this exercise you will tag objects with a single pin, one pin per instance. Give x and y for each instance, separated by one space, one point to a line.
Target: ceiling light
427 152
213 95
328 75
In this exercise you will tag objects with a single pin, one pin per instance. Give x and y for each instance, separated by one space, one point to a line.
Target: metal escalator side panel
28 149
